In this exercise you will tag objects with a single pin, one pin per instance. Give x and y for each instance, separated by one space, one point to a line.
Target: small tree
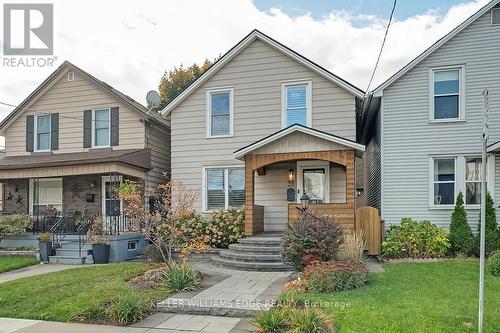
461 237
14 224
162 224
491 228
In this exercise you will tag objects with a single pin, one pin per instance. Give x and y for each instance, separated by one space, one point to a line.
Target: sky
130 44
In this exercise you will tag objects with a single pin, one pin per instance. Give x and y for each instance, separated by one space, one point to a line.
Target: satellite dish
153 99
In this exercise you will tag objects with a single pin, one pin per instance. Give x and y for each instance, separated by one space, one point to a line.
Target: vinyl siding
256 74
158 139
69 99
409 140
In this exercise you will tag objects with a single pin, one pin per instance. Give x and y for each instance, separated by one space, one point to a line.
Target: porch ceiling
131 162
298 138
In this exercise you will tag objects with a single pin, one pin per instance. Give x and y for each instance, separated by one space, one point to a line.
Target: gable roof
240 153
141 110
246 41
379 90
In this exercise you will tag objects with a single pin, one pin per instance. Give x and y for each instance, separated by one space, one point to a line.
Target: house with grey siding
70 144
260 128
422 127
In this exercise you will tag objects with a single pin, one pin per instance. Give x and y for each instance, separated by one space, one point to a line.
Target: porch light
304 199
290 175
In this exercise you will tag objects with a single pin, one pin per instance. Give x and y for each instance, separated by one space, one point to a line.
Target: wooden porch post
249 195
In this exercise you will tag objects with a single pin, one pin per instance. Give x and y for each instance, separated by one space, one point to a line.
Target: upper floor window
296 103
447 93
101 121
220 112
42 132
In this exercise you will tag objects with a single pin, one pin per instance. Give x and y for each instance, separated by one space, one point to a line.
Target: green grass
57 296
9 263
431 297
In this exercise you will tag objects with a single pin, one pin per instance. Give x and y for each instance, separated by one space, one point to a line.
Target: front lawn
431 297
57 296
9 263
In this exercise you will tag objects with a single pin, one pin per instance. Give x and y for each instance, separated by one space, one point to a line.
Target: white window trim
208 103
71 76
284 85
93 128
226 190
432 182
35 131
461 94
460 182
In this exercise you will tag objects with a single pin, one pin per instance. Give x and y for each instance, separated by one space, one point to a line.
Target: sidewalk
33 271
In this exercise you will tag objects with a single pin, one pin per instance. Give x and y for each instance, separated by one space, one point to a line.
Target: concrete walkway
34 270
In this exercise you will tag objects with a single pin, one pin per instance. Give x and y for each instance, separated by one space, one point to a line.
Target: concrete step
66 260
250 266
64 252
73 245
249 257
253 249
261 241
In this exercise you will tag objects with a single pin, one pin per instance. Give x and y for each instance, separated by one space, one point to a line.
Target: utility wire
381 47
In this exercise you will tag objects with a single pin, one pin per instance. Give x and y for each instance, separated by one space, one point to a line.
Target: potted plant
45 246
99 241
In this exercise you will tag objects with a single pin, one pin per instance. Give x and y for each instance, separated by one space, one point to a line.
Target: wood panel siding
298 141
343 213
410 140
256 75
158 140
70 99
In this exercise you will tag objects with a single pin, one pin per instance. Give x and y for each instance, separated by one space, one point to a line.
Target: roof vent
495 15
71 76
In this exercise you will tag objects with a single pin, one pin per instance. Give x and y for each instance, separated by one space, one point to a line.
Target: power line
382 46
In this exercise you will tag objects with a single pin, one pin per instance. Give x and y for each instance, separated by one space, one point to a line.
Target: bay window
224 188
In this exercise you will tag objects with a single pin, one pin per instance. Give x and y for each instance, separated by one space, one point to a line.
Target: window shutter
54 131
30 133
87 128
115 122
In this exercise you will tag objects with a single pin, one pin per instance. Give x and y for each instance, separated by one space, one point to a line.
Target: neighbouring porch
279 169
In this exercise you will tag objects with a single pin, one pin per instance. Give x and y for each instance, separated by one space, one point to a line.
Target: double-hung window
444 181
473 181
447 94
101 121
219 112
42 135
224 188
296 103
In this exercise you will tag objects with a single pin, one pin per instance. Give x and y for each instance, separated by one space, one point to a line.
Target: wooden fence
368 220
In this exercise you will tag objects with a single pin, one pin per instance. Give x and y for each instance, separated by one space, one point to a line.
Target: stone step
261 241
66 260
249 257
250 266
246 248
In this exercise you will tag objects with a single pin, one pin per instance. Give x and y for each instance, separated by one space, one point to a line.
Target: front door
314 179
111 204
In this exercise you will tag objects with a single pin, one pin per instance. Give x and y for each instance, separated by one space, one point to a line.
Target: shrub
45 237
415 240
225 227
153 254
332 276
353 245
274 320
461 238
309 320
494 264
492 233
181 277
311 235
129 309
14 224
295 286
193 224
